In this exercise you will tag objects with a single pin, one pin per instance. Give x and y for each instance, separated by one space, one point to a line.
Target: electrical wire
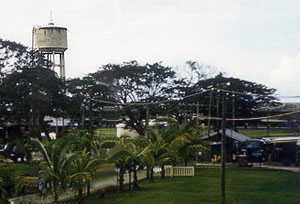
249 119
172 100
206 117
147 103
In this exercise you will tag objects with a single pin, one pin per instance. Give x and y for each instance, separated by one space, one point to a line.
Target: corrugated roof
283 107
232 134
283 139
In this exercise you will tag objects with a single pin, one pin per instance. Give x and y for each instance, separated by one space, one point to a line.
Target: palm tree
3 193
133 159
148 161
155 154
127 153
81 170
53 174
119 155
185 144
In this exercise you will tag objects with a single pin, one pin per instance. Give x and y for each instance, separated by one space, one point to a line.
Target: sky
253 40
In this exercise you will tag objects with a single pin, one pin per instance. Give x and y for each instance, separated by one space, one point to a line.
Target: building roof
283 107
276 140
231 134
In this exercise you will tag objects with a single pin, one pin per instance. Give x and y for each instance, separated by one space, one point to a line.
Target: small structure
123 131
286 150
233 141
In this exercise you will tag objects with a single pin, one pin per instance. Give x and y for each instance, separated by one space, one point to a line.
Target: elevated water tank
51 41
50 38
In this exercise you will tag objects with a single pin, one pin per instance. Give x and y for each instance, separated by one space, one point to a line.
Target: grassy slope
107 133
272 133
244 185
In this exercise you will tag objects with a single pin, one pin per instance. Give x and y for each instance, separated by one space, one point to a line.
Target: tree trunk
148 173
162 176
185 162
80 196
151 175
121 178
129 180
135 124
88 188
174 162
55 200
44 129
135 178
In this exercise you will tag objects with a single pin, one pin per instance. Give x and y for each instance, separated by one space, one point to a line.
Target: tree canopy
134 83
29 91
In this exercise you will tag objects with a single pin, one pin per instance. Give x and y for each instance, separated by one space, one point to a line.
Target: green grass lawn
272 133
106 133
243 186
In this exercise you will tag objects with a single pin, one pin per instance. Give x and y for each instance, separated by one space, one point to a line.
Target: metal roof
232 134
283 139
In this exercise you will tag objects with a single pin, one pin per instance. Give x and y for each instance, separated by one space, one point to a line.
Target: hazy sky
253 40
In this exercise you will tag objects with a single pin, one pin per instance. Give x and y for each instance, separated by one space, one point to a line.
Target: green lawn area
243 186
272 133
106 133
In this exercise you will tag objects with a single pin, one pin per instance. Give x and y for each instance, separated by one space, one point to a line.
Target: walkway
256 165
287 168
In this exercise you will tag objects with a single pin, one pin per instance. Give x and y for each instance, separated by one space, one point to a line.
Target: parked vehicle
256 150
12 153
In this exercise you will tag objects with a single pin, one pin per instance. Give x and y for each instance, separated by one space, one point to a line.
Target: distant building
233 140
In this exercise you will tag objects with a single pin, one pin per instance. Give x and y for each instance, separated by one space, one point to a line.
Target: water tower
51 41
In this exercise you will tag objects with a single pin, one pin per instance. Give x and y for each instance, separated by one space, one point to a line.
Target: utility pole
197 121
268 123
233 112
56 128
147 121
218 115
82 116
209 113
223 149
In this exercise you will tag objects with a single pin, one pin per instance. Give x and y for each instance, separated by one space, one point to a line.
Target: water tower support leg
63 68
53 61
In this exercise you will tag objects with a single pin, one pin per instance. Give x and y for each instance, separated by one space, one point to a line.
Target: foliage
253 95
12 56
54 169
81 170
9 174
29 91
81 91
132 82
3 192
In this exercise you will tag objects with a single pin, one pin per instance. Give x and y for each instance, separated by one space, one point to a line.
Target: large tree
80 103
12 56
29 91
135 83
243 97
30 94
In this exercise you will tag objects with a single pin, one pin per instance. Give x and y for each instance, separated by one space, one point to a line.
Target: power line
185 97
147 103
202 117
248 119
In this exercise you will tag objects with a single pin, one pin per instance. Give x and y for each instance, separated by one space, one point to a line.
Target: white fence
180 171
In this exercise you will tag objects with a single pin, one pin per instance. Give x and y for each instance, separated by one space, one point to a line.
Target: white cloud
285 78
